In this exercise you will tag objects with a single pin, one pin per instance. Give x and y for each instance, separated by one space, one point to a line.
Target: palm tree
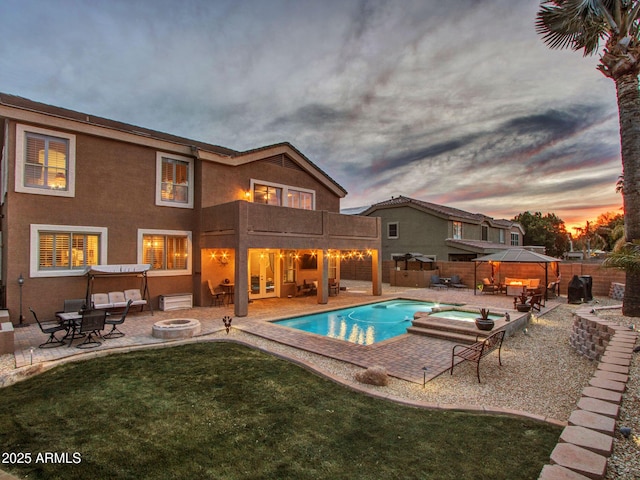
584 25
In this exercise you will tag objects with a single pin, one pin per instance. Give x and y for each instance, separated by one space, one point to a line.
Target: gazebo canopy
517 255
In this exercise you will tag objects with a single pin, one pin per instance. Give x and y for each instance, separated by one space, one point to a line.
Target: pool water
362 325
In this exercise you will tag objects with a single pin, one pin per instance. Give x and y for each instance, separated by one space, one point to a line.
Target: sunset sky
453 102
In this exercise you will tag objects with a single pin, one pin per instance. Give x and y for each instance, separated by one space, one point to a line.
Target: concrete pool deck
404 357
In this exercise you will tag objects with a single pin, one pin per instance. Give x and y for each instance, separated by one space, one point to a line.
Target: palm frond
575 24
626 258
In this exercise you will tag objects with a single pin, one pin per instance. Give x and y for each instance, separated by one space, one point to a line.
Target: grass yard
225 411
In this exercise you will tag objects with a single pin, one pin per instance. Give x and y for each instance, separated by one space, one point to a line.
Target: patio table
71 320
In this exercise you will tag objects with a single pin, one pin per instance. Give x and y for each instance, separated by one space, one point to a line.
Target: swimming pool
363 325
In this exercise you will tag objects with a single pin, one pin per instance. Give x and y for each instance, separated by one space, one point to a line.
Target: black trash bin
588 287
575 290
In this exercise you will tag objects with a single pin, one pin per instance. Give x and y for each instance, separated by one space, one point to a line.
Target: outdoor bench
478 350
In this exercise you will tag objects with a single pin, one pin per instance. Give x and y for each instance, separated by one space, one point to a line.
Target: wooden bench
477 351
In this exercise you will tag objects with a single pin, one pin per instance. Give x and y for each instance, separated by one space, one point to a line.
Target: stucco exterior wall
114 189
418 232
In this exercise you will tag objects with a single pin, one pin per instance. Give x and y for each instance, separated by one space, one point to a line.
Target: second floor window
267 194
485 232
282 195
457 230
45 162
515 239
392 230
174 177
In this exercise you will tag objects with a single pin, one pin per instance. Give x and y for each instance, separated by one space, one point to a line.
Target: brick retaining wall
587 442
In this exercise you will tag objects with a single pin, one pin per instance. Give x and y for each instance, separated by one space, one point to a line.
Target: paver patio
404 357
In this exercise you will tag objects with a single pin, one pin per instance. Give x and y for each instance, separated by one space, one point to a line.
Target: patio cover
120 270
518 255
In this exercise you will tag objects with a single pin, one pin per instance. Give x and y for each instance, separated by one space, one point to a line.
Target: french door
263 271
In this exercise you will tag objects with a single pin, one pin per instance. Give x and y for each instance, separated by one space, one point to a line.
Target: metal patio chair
50 328
92 324
114 322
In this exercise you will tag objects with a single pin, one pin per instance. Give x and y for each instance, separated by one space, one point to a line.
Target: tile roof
441 210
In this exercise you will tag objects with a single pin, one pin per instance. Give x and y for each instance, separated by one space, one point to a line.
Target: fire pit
176 328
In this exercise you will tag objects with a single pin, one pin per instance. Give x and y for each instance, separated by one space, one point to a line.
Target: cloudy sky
455 102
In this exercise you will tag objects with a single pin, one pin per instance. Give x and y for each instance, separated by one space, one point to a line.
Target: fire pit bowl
176 328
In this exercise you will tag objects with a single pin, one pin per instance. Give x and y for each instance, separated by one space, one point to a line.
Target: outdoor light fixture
21 283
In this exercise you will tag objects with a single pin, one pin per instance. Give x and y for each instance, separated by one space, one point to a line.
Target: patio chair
456 282
536 302
334 287
92 324
50 328
552 290
217 294
114 322
436 282
74 305
488 287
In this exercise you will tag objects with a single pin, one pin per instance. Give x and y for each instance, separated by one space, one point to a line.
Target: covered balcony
236 236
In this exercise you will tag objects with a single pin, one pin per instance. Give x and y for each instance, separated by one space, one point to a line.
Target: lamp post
21 283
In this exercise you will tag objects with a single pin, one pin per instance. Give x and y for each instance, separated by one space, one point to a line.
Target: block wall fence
602 277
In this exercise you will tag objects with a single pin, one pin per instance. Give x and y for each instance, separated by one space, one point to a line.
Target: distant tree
583 25
547 230
610 227
589 238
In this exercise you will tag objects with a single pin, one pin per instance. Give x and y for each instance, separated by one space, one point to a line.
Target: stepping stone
613 368
614 349
594 421
616 377
602 394
579 460
597 442
599 406
609 353
556 472
607 384
625 362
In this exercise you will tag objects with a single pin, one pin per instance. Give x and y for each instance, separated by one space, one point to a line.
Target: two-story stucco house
443 233
79 190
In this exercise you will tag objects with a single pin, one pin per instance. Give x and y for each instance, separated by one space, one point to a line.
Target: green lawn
224 411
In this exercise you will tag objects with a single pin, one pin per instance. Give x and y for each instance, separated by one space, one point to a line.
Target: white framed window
393 230
501 236
64 250
174 180
167 251
282 195
45 162
457 230
515 239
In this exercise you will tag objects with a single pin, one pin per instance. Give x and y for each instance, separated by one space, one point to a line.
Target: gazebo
519 255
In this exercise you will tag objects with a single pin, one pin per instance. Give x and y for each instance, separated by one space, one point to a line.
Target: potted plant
520 302
484 322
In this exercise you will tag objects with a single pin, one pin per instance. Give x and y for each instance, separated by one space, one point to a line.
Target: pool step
455 330
443 334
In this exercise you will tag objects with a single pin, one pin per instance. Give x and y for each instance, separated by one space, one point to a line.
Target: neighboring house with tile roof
80 190
444 233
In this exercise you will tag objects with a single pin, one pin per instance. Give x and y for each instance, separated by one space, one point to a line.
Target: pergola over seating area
519 255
